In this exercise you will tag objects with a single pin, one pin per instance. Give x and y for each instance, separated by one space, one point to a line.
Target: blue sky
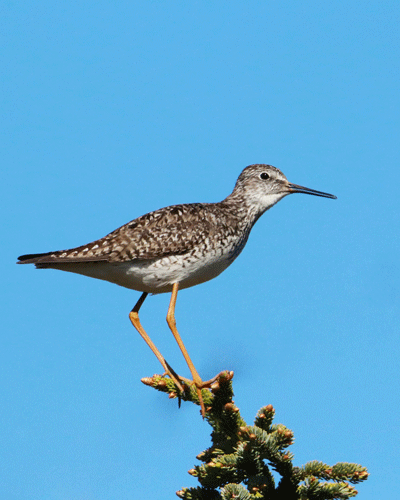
113 109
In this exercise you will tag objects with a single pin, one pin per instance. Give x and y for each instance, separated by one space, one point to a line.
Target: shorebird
177 247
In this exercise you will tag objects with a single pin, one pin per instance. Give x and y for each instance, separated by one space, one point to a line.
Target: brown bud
172 395
147 380
214 387
230 407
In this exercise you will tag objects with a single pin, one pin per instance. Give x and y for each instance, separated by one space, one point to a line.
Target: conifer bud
214 387
147 380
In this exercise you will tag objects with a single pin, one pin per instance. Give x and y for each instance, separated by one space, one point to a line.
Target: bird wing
172 230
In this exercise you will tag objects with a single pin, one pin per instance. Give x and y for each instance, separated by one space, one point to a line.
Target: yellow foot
212 385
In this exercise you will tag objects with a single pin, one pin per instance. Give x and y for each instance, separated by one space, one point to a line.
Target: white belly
158 275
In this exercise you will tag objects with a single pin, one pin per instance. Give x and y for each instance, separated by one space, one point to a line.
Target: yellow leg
172 325
134 317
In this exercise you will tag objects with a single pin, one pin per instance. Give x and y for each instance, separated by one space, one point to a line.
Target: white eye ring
264 176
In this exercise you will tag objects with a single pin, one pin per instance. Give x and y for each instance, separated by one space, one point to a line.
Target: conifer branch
239 463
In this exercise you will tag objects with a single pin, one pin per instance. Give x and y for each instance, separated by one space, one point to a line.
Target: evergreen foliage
239 463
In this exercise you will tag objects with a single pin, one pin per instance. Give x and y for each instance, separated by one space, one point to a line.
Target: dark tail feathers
32 258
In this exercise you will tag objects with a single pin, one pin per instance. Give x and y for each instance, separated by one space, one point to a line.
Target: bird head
264 185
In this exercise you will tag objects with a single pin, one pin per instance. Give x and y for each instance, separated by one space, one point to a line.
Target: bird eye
264 175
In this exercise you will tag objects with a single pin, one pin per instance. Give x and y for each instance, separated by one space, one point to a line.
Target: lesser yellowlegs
177 247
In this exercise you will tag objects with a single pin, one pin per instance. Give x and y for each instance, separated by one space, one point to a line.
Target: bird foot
213 383
168 384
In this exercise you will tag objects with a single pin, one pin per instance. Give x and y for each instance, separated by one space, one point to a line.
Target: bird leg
134 317
172 325
199 384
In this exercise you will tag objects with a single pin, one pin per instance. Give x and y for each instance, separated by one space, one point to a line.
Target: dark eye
264 175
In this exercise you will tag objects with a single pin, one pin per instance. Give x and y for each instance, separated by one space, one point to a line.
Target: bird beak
295 188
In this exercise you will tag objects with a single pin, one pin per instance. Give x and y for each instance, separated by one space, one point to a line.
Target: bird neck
240 207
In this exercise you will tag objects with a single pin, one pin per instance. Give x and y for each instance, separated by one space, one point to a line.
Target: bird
177 247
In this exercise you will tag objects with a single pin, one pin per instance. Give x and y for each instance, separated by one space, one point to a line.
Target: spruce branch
239 463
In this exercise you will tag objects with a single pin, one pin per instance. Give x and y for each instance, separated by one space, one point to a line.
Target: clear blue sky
113 109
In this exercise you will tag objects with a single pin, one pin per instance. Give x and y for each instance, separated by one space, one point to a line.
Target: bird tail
35 258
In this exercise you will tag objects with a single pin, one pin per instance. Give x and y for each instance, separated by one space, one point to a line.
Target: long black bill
295 188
